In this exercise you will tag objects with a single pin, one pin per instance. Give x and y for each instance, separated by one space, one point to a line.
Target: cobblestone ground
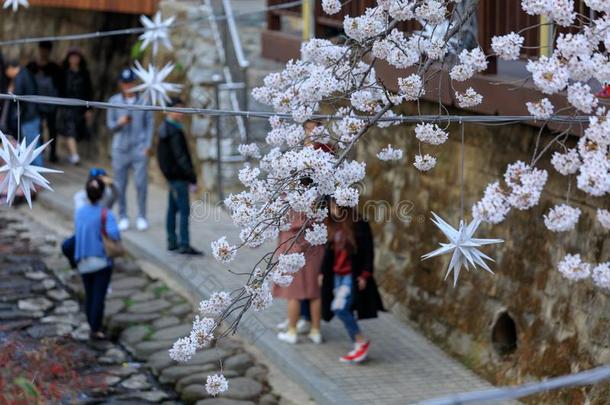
44 346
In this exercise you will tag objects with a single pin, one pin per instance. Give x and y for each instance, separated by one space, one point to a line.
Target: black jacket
25 85
366 303
173 154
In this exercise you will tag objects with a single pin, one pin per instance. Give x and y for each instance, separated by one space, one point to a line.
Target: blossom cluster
216 384
201 336
562 218
389 153
524 185
574 268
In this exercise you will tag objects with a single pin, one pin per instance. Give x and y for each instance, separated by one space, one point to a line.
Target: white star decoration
153 86
19 169
157 31
15 4
463 245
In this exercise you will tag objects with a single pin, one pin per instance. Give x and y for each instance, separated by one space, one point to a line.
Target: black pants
51 119
96 287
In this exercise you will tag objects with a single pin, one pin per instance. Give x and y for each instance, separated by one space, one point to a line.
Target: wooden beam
116 6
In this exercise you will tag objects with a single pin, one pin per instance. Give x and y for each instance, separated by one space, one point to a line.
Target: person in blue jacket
92 263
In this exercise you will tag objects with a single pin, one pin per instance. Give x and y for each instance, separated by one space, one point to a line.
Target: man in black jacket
21 118
175 163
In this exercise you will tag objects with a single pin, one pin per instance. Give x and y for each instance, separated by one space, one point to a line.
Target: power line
72 102
499 394
139 30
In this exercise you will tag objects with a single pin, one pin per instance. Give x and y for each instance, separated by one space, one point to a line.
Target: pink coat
305 284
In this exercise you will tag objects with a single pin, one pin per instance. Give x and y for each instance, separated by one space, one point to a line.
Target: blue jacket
135 136
88 232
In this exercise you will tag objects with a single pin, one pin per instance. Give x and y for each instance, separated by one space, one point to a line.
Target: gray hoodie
135 136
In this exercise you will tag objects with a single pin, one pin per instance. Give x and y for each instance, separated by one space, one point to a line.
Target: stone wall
561 327
105 56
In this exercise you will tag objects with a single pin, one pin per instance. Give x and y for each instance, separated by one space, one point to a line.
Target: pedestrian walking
131 145
176 165
3 78
92 223
303 325
81 199
348 285
73 121
21 118
48 76
304 286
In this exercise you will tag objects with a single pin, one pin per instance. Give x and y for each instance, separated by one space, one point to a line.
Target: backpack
46 87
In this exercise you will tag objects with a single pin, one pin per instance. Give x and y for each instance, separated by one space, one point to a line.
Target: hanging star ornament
157 32
153 87
20 173
463 245
15 4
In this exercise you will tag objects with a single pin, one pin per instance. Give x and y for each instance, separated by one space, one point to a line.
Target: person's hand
124 120
361 283
320 279
193 187
89 116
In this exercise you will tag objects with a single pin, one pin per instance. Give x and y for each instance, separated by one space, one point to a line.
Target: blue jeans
30 130
96 287
342 304
178 202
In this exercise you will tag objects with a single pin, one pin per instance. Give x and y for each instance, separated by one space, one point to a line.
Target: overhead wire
72 102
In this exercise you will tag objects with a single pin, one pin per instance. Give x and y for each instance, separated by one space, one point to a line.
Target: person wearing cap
132 138
73 121
177 167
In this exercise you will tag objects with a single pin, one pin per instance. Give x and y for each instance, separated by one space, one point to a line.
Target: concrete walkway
404 367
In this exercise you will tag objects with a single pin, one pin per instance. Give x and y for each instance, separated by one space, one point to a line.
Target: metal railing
231 88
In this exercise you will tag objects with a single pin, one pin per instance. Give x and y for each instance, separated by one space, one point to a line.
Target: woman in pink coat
305 285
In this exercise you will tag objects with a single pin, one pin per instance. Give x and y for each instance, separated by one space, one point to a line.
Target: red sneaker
348 357
357 355
604 93
362 353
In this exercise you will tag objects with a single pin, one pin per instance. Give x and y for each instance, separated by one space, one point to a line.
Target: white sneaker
74 159
282 325
303 327
316 338
288 337
124 224
141 224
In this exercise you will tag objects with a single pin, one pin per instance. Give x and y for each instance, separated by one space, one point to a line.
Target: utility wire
72 102
140 30
588 377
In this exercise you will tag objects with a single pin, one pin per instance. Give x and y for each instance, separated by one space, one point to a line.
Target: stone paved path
44 334
145 315
404 366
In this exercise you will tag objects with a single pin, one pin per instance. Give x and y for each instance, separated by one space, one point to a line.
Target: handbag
113 248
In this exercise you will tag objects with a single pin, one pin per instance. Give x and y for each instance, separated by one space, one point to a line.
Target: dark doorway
504 335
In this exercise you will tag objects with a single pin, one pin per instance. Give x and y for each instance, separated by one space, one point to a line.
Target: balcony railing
494 17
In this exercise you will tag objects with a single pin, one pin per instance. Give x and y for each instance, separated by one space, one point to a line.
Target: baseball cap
96 172
127 76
